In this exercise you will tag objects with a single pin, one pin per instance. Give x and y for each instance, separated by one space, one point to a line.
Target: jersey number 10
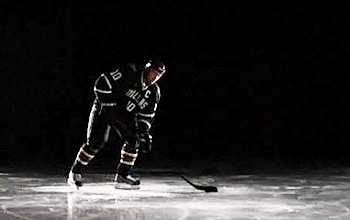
130 106
116 75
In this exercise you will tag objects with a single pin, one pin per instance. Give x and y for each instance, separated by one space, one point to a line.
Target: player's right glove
145 142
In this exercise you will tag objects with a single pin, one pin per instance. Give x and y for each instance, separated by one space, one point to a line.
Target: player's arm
146 116
144 120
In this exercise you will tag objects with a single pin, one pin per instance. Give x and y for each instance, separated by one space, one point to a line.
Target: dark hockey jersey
125 89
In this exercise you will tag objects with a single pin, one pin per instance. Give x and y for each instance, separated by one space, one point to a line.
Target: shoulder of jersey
156 89
130 71
122 72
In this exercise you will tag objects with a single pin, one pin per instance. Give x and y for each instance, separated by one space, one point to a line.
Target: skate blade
126 186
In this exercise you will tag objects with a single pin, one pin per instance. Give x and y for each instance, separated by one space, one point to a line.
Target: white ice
248 197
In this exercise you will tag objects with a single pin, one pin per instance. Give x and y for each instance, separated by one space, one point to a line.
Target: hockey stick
200 187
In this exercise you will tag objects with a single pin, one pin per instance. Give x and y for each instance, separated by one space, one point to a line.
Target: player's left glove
145 142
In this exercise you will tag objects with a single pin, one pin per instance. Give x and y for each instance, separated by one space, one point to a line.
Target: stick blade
200 187
210 189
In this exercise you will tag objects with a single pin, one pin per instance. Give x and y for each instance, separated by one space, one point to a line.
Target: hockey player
125 100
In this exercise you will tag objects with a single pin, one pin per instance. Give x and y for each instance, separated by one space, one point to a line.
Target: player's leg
128 155
97 136
123 178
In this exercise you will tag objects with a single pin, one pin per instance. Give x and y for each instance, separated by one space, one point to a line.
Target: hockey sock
84 156
127 158
127 161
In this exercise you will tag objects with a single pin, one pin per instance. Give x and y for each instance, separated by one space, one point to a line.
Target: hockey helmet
156 64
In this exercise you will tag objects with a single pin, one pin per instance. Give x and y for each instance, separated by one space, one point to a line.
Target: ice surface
267 197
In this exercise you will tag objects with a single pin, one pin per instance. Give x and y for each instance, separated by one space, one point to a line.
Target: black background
248 84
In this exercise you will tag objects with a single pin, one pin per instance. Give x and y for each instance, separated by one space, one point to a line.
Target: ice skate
126 182
74 179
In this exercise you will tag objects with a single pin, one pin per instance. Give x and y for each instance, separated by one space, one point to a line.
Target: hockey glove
145 142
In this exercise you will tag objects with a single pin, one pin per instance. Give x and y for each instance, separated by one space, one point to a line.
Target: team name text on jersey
135 95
